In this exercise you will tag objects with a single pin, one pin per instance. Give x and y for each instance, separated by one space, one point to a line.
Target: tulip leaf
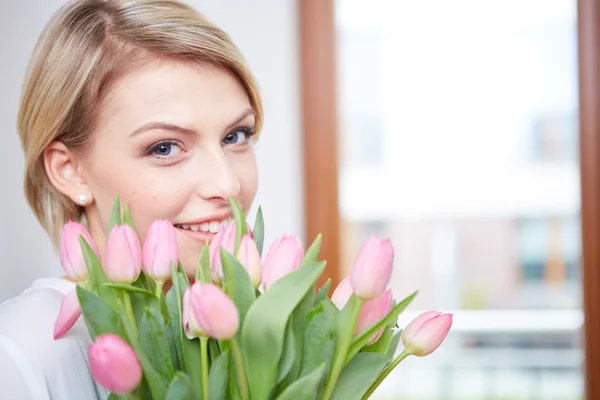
241 226
312 253
304 388
156 383
128 288
259 230
143 282
393 346
180 388
238 284
264 329
189 350
172 346
203 271
358 375
99 317
382 344
322 293
363 338
153 342
127 217
319 340
289 353
115 215
97 276
219 377
176 337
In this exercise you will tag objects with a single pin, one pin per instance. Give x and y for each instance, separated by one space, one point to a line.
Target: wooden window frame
319 134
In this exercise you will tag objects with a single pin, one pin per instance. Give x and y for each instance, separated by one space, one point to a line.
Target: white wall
265 30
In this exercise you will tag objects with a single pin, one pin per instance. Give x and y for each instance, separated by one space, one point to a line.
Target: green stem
159 290
129 312
344 345
239 368
386 372
204 356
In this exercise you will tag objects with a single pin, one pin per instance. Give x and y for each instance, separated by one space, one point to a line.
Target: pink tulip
284 256
114 364
123 255
372 268
69 312
249 257
374 311
425 333
208 311
71 255
160 250
224 238
342 293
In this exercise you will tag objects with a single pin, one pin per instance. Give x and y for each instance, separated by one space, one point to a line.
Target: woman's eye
165 149
237 137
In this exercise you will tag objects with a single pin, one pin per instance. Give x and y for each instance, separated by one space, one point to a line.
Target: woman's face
174 141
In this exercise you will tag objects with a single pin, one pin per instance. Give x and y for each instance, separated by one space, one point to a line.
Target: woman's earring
82 199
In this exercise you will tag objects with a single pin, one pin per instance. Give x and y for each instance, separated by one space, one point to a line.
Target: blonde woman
144 98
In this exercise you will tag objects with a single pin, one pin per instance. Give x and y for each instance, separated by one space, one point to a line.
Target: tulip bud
224 238
71 255
69 312
208 311
342 293
249 257
114 364
160 250
373 311
284 256
372 268
123 255
425 333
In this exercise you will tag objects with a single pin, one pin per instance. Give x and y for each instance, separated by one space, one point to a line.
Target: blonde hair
86 47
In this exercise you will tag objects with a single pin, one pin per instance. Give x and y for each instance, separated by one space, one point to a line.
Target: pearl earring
82 199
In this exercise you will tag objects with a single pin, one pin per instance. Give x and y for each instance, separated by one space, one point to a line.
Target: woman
141 98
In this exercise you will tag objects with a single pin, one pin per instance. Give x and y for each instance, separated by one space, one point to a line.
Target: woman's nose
220 180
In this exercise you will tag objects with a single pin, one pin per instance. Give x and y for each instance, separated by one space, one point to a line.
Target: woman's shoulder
51 368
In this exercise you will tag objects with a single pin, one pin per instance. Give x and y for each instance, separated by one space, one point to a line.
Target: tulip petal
69 312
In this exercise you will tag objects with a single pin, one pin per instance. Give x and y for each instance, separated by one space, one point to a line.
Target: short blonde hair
86 47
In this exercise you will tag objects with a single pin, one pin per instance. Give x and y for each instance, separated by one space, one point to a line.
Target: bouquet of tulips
246 327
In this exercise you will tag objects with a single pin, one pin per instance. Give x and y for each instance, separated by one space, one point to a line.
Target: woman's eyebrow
164 126
242 116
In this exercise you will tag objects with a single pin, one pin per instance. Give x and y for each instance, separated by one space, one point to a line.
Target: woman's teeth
212 226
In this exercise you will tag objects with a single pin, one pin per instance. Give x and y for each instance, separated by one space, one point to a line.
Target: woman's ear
64 173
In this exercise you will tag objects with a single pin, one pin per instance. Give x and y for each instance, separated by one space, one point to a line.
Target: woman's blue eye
165 149
237 137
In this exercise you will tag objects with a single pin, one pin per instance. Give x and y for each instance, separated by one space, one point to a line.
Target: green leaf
180 388
203 271
153 342
143 282
322 293
304 388
237 281
393 346
127 217
289 352
382 344
98 315
97 276
213 349
358 376
115 215
169 332
190 349
363 338
258 231
158 385
176 328
128 288
319 340
263 331
241 227
114 396
219 377
312 253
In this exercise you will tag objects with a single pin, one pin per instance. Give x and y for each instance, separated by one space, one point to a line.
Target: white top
34 366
